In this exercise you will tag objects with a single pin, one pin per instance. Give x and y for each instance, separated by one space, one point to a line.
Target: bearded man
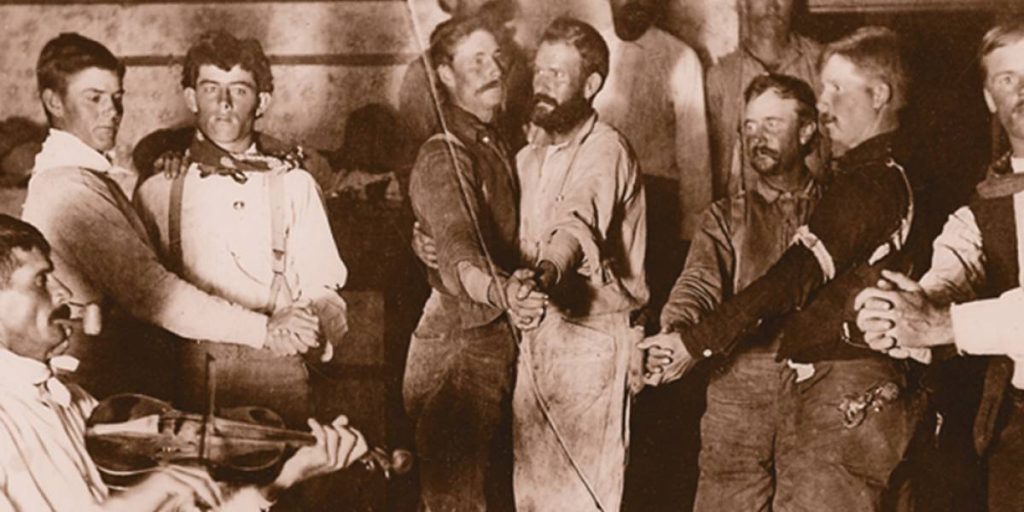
583 228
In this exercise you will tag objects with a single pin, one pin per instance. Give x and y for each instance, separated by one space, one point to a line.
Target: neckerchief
1000 180
215 160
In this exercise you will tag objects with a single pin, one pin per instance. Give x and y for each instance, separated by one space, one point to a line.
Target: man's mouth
494 84
61 318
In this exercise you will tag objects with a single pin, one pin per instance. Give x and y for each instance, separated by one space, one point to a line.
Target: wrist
549 275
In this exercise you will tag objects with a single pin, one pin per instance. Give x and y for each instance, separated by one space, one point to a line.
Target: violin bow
211 407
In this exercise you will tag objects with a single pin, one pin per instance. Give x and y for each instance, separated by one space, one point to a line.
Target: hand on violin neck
293 330
337 447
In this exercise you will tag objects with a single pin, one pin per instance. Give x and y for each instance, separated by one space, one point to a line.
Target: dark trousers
457 390
1006 459
770 443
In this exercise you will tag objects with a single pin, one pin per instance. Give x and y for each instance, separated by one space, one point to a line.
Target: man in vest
971 297
246 224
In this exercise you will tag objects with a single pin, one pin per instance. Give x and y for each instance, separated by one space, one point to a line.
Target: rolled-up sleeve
447 203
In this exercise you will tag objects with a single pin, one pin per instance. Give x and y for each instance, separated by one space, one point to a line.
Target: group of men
795 289
232 252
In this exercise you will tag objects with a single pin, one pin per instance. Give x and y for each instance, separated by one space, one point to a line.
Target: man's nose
224 98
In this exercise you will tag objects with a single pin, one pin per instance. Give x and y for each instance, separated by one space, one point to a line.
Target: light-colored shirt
583 209
226 235
44 464
654 95
739 239
101 250
957 275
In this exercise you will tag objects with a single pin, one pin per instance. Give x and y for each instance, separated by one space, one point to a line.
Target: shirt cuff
475 281
252 332
988 327
561 250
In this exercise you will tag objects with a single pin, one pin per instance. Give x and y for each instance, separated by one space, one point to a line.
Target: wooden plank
218 2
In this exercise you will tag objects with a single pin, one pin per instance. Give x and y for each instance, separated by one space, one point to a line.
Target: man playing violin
45 465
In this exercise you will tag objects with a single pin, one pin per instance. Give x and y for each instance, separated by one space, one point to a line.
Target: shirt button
238 205
486 139
707 352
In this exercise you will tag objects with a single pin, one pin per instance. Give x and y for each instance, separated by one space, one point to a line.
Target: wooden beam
129 3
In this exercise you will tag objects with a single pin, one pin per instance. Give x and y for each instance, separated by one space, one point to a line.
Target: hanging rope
503 302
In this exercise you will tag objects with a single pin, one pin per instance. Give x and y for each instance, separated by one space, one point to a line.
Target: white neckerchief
26 373
1017 163
62 149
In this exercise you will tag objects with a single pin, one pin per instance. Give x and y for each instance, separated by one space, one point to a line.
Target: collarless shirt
583 209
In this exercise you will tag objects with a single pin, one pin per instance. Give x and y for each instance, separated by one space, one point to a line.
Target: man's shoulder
607 139
64 184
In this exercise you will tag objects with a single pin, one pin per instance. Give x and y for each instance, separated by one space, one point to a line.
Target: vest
996 221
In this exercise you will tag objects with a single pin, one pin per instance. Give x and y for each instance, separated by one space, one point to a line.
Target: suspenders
278 235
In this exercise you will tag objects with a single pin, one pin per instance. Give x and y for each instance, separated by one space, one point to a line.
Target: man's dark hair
585 38
17 234
877 52
1004 34
447 36
67 54
221 49
787 87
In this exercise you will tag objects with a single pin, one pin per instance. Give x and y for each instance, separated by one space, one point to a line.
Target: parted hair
877 52
585 38
68 54
226 51
788 87
1003 34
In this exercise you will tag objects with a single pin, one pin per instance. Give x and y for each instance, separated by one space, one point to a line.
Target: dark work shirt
452 199
858 212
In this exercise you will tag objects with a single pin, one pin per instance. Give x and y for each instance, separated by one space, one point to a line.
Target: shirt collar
876 148
1017 164
33 376
772 194
62 149
467 126
538 137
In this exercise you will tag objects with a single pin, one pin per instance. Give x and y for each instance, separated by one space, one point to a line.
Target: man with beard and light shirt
583 228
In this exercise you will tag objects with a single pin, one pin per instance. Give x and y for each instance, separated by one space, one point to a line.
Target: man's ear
989 100
446 75
190 100
807 132
53 103
593 84
881 94
263 105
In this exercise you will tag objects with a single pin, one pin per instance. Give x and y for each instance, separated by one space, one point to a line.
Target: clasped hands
176 488
665 357
897 314
295 329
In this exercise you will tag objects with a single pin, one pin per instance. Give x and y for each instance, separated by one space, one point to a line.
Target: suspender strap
176 260
278 241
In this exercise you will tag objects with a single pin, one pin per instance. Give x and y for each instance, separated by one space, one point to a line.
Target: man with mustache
848 413
459 369
584 229
247 224
740 237
767 45
101 248
45 465
971 297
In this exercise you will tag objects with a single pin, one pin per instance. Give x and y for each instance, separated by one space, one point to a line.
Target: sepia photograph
512 255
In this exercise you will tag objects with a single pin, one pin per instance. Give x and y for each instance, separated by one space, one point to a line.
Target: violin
129 435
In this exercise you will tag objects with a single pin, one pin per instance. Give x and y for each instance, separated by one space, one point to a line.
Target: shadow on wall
20 141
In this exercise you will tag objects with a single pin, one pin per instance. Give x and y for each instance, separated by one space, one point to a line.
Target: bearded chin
563 117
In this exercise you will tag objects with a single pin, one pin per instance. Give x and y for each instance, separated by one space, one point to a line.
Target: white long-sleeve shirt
987 326
226 235
101 250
